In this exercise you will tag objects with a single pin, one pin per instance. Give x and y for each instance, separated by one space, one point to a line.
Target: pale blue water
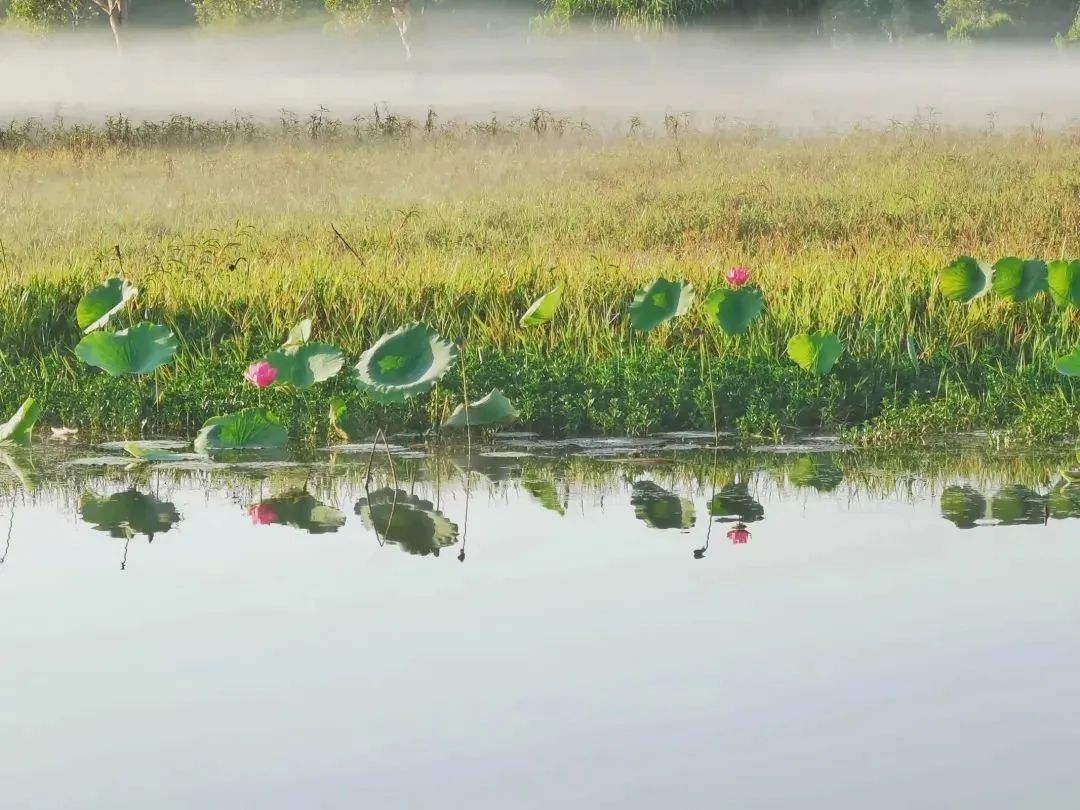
858 650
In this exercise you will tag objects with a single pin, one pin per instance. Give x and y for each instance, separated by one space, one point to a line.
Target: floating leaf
962 506
249 429
299 334
816 353
963 280
19 428
735 309
99 305
299 510
545 494
817 472
407 521
404 363
129 513
1018 280
1016 505
542 309
1069 365
494 409
734 503
138 350
660 302
303 365
661 509
152 454
1063 278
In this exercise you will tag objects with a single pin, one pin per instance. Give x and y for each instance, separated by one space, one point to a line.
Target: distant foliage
47 14
351 13
233 12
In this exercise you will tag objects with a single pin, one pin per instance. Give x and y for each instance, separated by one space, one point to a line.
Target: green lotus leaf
141 452
404 363
962 506
299 334
816 353
963 280
1015 505
660 509
660 302
735 309
1064 503
816 472
99 305
1018 280
1063 278
494 409
1069 365
249 429
299 510
542 309
138 350
129 513
19 428
407 521
544 493
734 503
302 365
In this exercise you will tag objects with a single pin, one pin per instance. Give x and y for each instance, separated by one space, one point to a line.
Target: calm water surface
543 625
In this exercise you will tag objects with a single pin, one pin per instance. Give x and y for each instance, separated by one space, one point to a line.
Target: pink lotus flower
739 535
260 374
262 514
737 276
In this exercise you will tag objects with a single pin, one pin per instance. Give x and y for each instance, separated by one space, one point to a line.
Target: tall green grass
229 229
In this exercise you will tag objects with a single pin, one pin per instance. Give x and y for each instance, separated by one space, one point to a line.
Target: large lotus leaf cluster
140 349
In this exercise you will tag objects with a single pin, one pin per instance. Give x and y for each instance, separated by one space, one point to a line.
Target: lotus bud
261 374
737 276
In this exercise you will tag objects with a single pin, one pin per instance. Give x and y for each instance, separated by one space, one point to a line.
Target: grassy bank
229 231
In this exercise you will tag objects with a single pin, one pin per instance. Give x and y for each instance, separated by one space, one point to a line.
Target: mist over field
483 68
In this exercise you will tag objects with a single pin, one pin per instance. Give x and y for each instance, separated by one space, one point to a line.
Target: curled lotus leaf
1018 280
963 506
660 302
963 281
494 409
404 363
249 429
19 428
542 309
1063 278
126 514
816 353
305 364
659 508
299 334
735 309
138 350
1069 365
97 307
407 521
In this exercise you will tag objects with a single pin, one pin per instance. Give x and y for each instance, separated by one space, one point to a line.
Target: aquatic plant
542 309
148 452
734 503
301 363
1063 279
404 363
1016 505
963 506
963 280
20 428
659 508
660 302
248 429
299 509
138 350
494 409
735 309
126 514
261 374
97 307
1018 280
820 472
816 353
